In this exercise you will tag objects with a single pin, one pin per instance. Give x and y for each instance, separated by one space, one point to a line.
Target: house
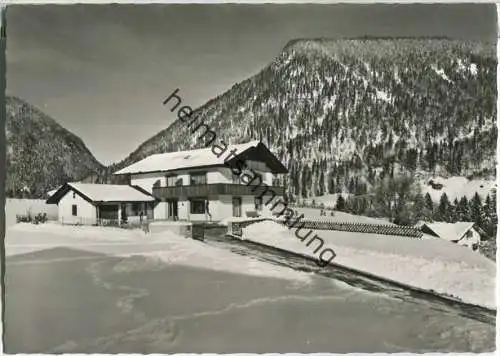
204 184
90 204
462 232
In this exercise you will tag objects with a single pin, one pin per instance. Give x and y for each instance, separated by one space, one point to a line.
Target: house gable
62 191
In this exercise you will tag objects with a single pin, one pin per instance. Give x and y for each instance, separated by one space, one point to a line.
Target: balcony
190 191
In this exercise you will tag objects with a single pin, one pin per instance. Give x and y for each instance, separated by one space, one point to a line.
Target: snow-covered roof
103 193
52 192
172 161
450 231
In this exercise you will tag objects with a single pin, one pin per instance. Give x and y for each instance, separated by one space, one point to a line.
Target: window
74 210
171 180
74 195
468 234
258 203
236 179
198 206
136 208
198 178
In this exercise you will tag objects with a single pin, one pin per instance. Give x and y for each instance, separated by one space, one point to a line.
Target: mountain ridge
313 87
41 154
344 113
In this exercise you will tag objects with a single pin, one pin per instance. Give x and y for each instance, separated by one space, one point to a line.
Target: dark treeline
401 201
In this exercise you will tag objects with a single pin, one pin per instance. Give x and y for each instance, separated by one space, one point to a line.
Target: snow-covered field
454 187
338 216
166 247
329 200
430 264
457 187
15 207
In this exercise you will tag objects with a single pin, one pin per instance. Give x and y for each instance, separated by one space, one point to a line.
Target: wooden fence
406 231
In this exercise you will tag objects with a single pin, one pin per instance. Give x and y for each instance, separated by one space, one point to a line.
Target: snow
473 68
231 219
183 159
383 96
51 231
166 247
15 207
441 73
431 264
450 231
313 214
457 187
110 192
51 192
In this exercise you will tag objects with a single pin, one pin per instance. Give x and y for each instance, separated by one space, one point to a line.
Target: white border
139 2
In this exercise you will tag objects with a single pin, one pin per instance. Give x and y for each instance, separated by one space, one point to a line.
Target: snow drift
431 264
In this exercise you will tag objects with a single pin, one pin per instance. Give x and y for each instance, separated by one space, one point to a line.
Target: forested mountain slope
345 113
41 154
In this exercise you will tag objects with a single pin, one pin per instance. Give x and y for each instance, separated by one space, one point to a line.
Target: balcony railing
189 191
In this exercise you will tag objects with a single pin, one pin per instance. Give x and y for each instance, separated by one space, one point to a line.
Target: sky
103 71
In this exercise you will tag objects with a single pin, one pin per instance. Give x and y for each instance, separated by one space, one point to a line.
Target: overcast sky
102 71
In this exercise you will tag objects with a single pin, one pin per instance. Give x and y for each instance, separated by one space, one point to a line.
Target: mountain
41 154
344 113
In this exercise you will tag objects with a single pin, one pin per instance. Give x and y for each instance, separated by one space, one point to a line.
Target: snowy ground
137 293
457 187
329 200
430 264
338 216
166 247
15 207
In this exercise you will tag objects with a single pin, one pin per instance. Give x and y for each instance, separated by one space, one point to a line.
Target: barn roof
172 161
449 231
100 193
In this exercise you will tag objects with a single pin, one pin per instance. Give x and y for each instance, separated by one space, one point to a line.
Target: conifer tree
443 210
429 205
341 203
455 209
463 211
476 209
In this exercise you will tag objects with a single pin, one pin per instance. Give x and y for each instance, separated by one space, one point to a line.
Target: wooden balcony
191 191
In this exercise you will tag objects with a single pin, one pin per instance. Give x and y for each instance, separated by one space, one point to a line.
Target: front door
172 207
237 207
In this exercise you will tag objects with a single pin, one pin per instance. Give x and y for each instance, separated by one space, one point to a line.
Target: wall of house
214 175
146 180
160 211
183 209
220 207
86 212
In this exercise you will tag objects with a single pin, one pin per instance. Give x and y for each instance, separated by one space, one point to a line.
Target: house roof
204 157
100 193
449 231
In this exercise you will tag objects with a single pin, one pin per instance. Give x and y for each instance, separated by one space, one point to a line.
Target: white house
462 232
210 184
89 204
